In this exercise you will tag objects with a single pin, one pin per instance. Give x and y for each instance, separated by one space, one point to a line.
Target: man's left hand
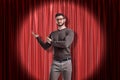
49 40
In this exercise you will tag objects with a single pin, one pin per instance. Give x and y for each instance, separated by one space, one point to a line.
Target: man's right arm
43 45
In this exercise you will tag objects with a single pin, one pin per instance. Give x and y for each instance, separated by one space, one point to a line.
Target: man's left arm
67 42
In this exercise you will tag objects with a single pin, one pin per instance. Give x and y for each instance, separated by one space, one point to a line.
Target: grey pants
64 68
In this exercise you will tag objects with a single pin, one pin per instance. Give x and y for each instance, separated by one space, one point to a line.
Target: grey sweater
61 42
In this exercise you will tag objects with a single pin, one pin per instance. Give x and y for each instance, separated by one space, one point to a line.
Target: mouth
59 23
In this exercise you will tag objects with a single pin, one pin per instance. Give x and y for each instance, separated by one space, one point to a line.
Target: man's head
60 19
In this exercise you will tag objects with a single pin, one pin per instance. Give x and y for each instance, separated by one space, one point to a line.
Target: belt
62 59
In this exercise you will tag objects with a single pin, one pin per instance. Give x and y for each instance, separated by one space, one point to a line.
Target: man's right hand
35 35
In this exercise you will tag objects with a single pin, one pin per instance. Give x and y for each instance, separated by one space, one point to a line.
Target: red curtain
87 48
24 59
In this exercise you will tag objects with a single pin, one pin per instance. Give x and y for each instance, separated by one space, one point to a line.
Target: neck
61 27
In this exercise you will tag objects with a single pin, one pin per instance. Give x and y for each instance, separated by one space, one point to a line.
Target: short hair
60 14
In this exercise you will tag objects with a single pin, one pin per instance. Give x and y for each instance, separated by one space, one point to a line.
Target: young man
61 41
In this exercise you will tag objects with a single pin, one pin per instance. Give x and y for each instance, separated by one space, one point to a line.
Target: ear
64 19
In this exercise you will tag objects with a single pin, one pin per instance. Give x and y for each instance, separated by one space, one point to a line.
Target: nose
59 20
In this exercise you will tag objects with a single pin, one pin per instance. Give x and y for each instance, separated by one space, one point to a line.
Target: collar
62 27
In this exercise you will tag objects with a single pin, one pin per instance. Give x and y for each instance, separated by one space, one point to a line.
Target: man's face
60 20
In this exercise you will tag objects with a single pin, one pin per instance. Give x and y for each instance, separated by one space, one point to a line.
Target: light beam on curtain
87 48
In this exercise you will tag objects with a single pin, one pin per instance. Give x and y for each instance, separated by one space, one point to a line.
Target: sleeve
67 42
44 45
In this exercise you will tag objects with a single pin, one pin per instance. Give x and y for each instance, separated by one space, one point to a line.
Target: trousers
64 68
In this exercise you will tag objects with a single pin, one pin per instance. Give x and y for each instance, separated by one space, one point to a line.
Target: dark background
13 11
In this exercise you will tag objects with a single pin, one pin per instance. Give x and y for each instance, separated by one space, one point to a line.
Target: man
61 41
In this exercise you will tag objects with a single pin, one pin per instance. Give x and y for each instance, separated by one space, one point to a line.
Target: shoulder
68 30
53 32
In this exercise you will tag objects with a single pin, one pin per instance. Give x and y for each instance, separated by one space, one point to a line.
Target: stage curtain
25 59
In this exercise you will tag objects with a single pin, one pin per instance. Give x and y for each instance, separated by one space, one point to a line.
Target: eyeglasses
59 19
